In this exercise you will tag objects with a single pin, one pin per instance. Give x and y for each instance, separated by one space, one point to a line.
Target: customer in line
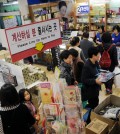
107 42
66 67
15 118
116 35
75 43
77 65
90 80
85 44
26 99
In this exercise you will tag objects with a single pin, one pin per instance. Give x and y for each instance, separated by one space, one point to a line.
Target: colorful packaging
69 95
45 92
57 94
51 109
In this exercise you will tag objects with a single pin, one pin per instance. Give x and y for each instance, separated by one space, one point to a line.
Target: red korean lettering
33 32
27 34
23 35
19 36
14 37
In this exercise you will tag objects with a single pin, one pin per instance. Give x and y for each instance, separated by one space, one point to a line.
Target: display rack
83 19
97 16
10 15
82 14
93 17
41 12
113 17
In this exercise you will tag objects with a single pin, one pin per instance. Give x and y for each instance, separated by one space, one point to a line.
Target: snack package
73 126
59 127
62 84
57 94
41 113
51 109
45 92
69 95
72 111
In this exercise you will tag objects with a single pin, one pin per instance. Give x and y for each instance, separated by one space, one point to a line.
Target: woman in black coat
15 118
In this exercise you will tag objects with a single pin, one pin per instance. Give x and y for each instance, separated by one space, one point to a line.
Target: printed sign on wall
29 39
82 8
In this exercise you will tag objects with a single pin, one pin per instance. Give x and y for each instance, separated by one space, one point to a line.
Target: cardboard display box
115 129
112 99
97 127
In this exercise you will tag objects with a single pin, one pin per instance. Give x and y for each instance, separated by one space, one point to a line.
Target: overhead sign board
82 8
24 40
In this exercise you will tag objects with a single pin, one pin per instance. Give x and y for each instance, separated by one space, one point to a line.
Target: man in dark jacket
91 84
85 44
107 42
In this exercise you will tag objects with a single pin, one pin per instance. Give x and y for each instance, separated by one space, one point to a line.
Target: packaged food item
51 109
69 95
59 127
45 92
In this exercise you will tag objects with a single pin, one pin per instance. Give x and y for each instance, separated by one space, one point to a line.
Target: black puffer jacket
89 74
113 55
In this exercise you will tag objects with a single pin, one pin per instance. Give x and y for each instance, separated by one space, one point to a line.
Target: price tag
83 9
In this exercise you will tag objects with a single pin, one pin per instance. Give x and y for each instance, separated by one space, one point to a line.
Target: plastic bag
117 78
112 113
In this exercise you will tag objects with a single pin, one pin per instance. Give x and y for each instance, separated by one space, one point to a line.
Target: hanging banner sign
82 9
29 39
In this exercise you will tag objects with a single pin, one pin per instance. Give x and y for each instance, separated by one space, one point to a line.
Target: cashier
99 34
116 35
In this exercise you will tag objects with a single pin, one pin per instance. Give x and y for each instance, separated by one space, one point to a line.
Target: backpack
105 61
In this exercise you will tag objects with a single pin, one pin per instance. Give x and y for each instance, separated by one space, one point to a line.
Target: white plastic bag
112 113
117 78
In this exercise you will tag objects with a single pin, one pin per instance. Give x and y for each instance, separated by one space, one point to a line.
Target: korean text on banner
22 40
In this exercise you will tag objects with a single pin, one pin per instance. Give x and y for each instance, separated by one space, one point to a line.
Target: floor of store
102 96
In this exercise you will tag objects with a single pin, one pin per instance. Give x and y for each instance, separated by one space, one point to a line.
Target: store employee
116 35
99 35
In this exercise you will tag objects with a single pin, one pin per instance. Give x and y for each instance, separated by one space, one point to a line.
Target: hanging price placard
83 9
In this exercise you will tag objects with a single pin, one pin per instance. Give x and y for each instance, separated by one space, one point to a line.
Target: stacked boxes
97 127
25 72
32 74
41 75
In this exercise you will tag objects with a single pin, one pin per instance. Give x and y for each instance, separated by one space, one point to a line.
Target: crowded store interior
59 66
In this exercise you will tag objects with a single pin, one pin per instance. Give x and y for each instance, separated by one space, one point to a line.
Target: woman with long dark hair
15 118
